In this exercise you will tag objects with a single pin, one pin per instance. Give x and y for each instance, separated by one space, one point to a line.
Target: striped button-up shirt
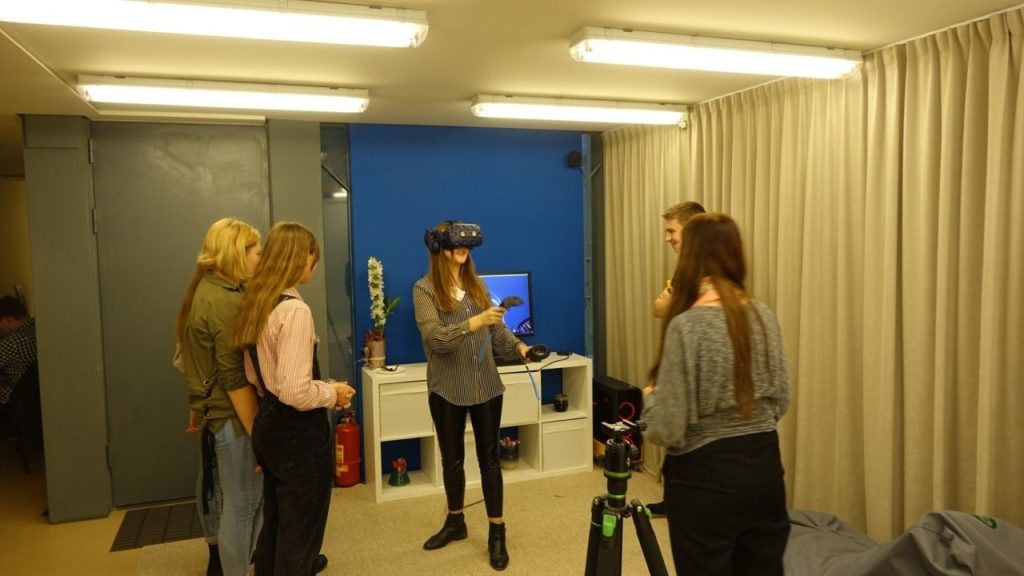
285 351
460 363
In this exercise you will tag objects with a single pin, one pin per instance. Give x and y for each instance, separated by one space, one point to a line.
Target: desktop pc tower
614 400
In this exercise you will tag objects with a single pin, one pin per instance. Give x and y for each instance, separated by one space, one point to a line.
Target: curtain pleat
883 220
643 177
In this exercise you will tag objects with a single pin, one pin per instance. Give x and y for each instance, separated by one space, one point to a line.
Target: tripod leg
648 540
604 548
609 549
596 513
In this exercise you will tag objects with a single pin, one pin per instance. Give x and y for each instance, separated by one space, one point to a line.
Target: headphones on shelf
538 352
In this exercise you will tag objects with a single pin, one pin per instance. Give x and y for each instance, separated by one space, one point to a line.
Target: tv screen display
519 319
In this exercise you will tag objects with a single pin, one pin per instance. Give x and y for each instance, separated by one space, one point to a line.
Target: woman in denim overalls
292 435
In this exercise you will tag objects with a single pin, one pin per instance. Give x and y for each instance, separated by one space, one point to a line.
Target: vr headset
456 235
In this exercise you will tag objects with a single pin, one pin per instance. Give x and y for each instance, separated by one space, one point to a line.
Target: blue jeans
236 509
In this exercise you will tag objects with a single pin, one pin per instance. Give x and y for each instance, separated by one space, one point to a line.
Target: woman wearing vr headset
462 333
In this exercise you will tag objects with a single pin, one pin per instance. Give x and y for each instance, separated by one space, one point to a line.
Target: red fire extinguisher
346 451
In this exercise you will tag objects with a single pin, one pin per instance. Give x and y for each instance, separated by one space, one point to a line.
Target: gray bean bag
939 544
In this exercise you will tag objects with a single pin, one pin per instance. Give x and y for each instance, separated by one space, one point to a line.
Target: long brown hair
224 251
282 265
444 285
712 248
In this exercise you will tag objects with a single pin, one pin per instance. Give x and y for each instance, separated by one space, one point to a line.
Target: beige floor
548 522
31 546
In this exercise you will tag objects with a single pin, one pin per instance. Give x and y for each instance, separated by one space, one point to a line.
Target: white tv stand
552 443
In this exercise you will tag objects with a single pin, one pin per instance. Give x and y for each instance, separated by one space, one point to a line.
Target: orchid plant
380 307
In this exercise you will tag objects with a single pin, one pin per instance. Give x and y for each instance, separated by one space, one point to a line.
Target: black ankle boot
496 546
213 566
454 529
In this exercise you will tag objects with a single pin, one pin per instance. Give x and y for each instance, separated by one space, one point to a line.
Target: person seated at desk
17 345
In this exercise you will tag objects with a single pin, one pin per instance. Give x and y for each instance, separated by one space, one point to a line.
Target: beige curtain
883 216
643 176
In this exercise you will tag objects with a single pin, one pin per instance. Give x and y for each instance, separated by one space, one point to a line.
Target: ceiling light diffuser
225 95
615 46
569 110
289 20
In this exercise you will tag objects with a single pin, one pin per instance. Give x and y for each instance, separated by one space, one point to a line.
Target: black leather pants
450 422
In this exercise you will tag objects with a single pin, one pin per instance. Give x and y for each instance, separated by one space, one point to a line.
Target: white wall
15 262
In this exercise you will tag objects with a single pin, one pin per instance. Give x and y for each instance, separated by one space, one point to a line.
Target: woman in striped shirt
462 333
292 433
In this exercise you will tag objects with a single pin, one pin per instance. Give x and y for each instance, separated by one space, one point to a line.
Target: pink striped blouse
285 351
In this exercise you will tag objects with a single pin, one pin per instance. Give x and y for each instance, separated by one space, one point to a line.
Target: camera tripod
608 512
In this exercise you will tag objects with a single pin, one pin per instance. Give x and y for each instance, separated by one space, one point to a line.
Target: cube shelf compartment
553 443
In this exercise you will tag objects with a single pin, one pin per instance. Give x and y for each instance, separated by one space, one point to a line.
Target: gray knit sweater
693 403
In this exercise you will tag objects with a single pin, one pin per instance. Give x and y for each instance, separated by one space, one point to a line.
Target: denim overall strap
254 356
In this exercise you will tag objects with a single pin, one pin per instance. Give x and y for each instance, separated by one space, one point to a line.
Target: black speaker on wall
614 400
574 159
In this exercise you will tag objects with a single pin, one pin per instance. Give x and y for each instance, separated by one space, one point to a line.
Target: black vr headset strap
433 238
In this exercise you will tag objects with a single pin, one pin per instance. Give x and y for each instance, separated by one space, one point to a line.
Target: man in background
17 345
675 218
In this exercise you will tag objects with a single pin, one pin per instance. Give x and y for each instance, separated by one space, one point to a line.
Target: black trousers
726 506
295 450
450 422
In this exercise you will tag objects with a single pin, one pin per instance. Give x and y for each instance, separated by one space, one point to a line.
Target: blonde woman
292 433
222 404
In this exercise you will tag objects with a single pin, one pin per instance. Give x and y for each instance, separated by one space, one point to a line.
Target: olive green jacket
211 365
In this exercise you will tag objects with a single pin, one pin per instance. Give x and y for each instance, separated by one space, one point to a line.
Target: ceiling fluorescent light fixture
288 20
226 95
568 110
615 46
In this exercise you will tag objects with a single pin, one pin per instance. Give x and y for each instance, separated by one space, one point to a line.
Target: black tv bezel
529 290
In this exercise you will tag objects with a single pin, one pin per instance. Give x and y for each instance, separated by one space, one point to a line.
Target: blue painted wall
514 183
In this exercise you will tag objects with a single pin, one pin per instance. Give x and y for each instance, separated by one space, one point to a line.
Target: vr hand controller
537 352
511 301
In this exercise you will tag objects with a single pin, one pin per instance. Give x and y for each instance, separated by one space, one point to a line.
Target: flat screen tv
519 319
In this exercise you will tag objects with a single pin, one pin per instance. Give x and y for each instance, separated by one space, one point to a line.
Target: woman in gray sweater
720 386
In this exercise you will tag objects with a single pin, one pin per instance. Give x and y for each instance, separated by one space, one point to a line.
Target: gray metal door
158 188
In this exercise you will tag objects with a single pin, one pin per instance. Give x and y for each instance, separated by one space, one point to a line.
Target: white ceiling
516 47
